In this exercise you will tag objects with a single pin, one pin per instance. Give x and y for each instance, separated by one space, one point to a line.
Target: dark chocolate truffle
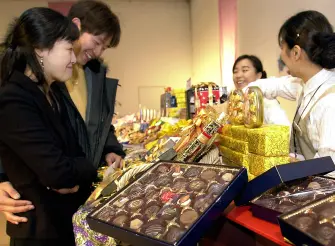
136 192
188 217
151 194
174 234
163 181
201 203
179 185
192 172
326 233
106 213
304 222
120 220
215 188
197 185
152 211
169 212
328 213
163 168
149 178
154 230
135 204
208 174
297 189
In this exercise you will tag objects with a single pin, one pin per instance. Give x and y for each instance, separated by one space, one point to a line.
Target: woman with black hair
38 147
307 43
249 68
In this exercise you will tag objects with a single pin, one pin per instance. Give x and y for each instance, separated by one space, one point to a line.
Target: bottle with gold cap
201 142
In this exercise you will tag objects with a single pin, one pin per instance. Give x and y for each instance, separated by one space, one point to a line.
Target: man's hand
114 160
9 204
68 190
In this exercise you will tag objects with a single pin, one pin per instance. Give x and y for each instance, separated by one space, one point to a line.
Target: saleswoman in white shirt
248 68
307 43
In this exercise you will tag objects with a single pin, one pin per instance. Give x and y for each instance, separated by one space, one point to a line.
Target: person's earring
41 62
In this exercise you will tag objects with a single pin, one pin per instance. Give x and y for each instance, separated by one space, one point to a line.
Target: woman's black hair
256 62
36 28
311 31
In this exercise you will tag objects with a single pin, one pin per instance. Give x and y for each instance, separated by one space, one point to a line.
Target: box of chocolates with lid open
290 196
170 204
313 224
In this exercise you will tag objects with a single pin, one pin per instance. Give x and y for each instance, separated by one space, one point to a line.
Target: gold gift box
250 176
235 157
270 140
240 133
236 145
260 164
226 130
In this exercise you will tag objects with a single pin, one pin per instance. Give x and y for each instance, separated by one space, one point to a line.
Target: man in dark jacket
89 97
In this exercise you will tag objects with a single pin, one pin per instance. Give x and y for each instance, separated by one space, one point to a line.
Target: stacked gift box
180 110
257 149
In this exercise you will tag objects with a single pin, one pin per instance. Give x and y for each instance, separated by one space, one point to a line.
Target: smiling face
90 47
245 73
58 61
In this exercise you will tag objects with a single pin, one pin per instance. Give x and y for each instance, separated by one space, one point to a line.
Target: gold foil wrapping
236 145
240 133
250 176
226 130
270 140
253 107
235 107
260 164
235 157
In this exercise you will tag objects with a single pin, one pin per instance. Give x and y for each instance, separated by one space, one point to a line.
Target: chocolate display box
170 204
290 196
311 225
282 174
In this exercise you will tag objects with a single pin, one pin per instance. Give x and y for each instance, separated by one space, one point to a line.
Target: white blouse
321 130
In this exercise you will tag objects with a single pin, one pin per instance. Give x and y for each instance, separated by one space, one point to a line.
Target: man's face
89 47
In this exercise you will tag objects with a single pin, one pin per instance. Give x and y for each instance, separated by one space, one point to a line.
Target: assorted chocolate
166 201
253 107
316 220
296 194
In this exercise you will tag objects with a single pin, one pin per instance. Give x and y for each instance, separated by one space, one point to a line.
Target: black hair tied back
322 52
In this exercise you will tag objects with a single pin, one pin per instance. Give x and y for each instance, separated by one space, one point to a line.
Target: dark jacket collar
38 96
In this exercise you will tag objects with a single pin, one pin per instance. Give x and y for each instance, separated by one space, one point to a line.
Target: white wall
205 41
155 50
258 25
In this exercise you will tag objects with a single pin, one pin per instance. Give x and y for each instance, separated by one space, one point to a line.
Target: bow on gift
189 133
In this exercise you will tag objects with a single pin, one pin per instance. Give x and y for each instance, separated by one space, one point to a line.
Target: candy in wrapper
269 140
234 144
260 164
253 107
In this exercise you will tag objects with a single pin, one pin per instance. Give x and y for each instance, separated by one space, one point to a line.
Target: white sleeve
287 87
274 114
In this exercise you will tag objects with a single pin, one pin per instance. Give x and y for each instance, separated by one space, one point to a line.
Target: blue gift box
284 173
195 231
